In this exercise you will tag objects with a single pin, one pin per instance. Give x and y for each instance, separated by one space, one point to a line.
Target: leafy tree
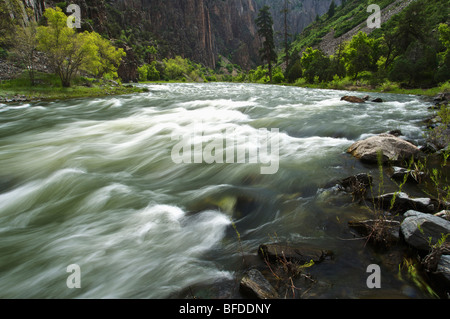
9 11
416 66
175 68
443 72
361 54
264 23
25 47
294 72
315 64
70 52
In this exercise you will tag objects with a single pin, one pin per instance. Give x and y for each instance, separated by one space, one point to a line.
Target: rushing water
93 182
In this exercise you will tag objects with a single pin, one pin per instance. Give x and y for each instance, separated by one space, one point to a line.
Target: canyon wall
200 30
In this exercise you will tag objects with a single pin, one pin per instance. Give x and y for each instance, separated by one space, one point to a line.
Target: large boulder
392 148
422 230
256 285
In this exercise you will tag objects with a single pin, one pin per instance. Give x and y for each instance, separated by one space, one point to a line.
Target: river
108 184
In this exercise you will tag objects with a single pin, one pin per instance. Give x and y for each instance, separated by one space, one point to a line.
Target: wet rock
441 97
403 203
353 99
356 185
422 230
378 100
429 148
384 231
444 214
400 173
256 285
392 148
300 254
351 182
443 270
396 133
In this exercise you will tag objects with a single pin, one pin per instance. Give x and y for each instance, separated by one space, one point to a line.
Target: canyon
201 30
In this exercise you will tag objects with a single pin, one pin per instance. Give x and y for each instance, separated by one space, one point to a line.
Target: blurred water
92 182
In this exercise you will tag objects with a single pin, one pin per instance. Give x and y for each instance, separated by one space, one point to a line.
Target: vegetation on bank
410 54
77 63
48 87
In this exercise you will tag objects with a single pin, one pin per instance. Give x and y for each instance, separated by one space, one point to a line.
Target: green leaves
71 52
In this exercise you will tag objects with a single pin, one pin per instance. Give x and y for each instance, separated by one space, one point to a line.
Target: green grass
48 87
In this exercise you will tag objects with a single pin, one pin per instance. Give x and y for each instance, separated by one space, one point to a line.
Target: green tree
70 52
331 9
361 54
443 72
176 68
294 72
264 23
25 47
9 12
315 65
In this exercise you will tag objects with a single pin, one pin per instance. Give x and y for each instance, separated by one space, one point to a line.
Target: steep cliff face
300 13
200 30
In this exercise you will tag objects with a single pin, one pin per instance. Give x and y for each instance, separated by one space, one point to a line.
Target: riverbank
48 87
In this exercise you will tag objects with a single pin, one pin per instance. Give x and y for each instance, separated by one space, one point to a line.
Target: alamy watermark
74 279
229 147
74 20
374 280
374 20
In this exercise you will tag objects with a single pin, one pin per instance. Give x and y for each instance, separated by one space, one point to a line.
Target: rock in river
392 148
401 203
420 230
353 99
301 254
256 285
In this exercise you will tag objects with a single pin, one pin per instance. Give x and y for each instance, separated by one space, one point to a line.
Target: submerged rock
300 254
392 148
378 100
353 99
422 230
360 180
255 284
379 231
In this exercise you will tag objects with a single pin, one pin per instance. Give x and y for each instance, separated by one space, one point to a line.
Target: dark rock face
198 29
128 68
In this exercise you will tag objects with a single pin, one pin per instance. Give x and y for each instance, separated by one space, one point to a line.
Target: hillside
410 48
328 32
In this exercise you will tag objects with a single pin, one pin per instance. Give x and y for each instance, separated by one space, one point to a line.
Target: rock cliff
200 30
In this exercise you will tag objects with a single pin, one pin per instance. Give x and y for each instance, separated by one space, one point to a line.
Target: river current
108 184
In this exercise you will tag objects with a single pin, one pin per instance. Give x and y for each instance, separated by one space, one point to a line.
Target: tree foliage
71 52
25 47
